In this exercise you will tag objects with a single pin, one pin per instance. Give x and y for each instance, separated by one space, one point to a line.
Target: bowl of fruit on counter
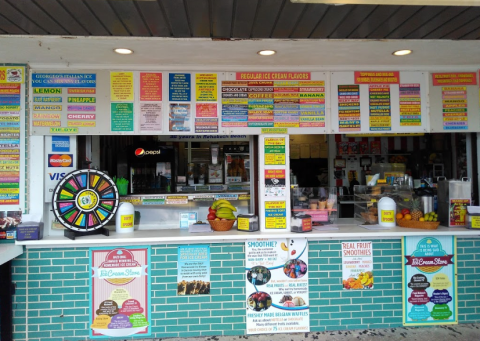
413 217
221 216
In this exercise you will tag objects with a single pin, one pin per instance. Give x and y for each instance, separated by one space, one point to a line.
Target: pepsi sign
140 152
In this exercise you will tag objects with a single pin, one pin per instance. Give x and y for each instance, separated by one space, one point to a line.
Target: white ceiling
199 54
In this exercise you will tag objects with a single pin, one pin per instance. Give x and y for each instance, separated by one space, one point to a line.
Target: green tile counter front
51 302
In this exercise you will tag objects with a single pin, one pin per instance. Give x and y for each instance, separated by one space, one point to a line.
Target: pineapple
415 209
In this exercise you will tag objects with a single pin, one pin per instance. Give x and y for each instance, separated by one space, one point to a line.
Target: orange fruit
408 217
399 216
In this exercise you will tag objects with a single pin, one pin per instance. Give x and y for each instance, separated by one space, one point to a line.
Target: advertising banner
120 292
429 280
277 286
193 276
357 265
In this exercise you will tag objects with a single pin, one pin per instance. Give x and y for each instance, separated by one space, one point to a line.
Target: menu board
63 102
429 280
103 102
273 99
378 101
120 292
276 282
454 102
12 133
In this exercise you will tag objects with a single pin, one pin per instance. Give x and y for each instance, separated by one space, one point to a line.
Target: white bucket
387 210
124 219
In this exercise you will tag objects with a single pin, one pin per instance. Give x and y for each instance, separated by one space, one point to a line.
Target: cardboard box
30 231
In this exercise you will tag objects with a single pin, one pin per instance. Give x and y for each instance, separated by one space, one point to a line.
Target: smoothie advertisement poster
120 292
429 280
357 265
276 281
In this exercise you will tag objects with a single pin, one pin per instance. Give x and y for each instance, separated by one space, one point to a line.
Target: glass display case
366 200
318 202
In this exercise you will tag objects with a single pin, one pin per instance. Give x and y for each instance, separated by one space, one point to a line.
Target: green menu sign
122 116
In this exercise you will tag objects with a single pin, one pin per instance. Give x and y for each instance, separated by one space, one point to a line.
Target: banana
284 247
229 206
224 209
226 216
218 202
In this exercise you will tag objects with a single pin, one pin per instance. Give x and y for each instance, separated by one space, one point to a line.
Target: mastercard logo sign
57 160
140 152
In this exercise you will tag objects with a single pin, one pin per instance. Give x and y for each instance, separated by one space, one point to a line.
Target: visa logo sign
56 176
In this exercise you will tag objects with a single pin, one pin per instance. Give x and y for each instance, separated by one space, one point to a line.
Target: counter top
347 229
9 251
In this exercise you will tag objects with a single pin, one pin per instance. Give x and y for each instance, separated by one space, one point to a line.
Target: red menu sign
454 78
150 86
377 77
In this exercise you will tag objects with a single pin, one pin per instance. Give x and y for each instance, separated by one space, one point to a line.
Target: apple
211 210
211 216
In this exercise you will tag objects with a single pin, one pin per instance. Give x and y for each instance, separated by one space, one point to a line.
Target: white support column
274 183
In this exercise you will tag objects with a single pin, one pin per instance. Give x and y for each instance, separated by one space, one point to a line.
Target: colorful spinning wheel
85 200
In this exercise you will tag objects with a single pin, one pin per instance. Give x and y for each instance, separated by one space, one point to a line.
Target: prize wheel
85 200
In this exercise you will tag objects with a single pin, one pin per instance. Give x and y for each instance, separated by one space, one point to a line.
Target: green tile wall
56 283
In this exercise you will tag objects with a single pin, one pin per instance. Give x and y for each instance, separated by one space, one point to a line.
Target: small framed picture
339 163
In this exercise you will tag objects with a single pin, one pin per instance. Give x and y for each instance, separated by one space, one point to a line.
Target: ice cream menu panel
273 99
276 281
120 292
429 280
11 80
453 96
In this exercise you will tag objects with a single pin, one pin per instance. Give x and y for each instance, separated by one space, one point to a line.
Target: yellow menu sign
121 86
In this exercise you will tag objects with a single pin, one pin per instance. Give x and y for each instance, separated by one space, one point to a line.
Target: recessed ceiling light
266 52
123 51
402 52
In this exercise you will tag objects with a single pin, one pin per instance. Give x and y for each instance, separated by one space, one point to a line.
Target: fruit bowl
222 225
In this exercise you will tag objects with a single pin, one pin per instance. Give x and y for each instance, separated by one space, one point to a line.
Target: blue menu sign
179 87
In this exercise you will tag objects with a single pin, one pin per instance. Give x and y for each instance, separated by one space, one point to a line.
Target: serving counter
347 229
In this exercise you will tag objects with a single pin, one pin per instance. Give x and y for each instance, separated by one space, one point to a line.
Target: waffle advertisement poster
276 281
120 292
429 280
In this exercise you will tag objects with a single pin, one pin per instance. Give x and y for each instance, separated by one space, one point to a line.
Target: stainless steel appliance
453 198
